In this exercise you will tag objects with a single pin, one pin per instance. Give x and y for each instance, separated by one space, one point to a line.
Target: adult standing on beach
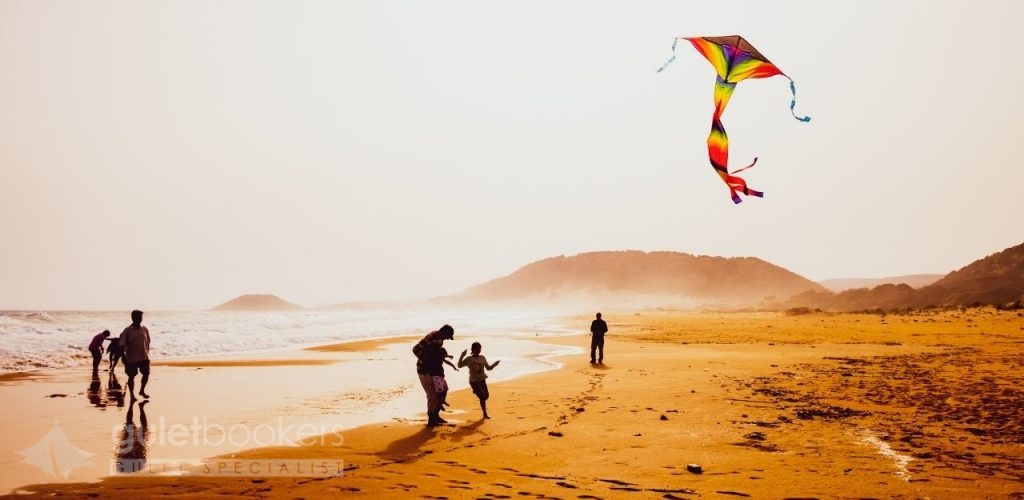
597 330
425 350
135 340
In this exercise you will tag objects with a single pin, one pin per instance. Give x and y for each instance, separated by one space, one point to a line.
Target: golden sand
768 406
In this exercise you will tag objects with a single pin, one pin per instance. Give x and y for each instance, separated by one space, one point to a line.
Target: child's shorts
440 385
480 389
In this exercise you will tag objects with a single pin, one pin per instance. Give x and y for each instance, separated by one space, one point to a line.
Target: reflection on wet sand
114 394
130 446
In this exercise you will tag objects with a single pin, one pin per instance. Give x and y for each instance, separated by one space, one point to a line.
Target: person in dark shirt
116 352
429 359
96 349
597 330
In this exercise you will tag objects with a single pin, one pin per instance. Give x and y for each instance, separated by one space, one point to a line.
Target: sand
768 406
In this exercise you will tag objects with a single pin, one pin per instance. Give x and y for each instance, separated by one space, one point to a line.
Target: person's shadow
406 449
94 393
130 449
465 431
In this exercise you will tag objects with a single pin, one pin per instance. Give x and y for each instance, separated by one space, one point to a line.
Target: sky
172 155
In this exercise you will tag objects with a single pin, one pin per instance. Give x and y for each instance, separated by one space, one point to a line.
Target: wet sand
298 393
767 405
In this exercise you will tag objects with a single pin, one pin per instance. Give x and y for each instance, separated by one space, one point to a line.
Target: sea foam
34 340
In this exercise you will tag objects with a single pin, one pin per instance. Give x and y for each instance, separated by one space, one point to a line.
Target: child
440 384
116 351
477 377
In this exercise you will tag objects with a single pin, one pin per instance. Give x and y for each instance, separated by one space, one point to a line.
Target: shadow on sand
408 448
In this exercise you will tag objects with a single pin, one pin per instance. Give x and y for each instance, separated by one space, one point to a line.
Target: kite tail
718 146
737 186
718 153
746 167
792 104
663 66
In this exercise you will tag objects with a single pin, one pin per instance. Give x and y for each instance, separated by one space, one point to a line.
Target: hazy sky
172 155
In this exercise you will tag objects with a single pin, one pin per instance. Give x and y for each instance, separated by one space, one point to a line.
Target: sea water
41 340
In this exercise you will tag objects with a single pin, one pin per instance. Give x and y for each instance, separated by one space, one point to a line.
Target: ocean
44 340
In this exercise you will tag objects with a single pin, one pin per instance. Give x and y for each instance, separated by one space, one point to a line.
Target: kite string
792 104
663 66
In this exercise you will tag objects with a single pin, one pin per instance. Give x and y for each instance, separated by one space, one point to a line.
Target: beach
759 404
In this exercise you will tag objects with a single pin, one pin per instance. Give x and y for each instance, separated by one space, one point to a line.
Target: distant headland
257 303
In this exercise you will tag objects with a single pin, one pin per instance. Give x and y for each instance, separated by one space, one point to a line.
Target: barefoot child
440 385
477 376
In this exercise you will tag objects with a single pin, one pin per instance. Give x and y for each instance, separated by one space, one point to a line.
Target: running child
477 375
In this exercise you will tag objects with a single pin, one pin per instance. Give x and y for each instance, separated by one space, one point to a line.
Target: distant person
597 330
116 352
96 348
427 351
135 341
477 376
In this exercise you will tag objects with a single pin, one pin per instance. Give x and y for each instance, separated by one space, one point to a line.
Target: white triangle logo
55 455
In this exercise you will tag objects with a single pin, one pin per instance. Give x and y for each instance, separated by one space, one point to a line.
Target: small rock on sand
695 468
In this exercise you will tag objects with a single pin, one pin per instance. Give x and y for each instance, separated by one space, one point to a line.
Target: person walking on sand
477 377
96 349
597 330
425 353
135 341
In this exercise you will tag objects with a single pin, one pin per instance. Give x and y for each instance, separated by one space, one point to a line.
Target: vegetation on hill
994 280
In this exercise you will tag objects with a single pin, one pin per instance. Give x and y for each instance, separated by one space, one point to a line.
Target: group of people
431 356
132 346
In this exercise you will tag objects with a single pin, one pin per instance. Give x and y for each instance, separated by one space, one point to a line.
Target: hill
651 278
257 303
997 279
914 280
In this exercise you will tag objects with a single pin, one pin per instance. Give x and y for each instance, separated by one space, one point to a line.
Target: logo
55 455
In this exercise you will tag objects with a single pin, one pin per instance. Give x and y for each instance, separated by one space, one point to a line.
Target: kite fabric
735 60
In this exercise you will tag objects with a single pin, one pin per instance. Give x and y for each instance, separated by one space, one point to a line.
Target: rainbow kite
735 60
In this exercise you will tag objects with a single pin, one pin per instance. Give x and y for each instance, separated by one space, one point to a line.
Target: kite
735 60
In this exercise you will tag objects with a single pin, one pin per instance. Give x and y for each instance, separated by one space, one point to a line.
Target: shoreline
342 407
767 406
